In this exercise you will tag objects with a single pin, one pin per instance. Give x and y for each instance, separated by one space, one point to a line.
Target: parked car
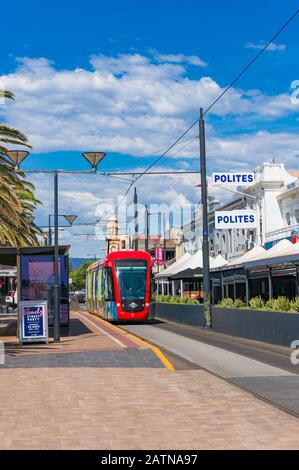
11 299
80 295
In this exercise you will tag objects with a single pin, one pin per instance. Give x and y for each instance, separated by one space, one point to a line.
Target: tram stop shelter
31 270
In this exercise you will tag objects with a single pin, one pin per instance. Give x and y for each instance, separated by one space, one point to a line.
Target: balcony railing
281 233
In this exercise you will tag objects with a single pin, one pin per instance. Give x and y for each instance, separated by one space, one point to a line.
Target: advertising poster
159 256
34 321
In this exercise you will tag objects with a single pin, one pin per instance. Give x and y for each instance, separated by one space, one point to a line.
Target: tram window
131 276
153 284
108 284
288 218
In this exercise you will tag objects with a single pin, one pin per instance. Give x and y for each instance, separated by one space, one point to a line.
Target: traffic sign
235 219
241 178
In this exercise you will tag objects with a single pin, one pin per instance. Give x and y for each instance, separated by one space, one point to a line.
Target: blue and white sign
241 178
33 321
235 219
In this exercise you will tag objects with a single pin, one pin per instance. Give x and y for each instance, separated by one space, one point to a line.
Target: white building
275 198
288 201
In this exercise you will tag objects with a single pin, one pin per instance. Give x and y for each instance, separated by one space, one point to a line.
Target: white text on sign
235 219
241 178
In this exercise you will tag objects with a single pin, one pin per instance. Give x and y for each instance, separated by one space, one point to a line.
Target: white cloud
181 58
89 196
127 103
249 150
132 105
271 48
97 194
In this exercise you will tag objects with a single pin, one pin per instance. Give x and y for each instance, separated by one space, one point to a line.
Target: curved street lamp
94 158
17 157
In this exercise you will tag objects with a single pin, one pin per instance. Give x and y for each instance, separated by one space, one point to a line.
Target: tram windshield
131 276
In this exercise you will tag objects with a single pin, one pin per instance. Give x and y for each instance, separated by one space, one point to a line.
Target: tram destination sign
235 219
241 178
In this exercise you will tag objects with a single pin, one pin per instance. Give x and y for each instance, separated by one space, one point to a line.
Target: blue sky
69 32
128 77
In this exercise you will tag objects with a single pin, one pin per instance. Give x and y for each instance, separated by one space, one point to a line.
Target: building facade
275 198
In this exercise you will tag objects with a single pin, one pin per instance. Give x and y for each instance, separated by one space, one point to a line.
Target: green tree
17 199
78 276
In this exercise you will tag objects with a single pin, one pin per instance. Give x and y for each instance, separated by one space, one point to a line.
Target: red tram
119 288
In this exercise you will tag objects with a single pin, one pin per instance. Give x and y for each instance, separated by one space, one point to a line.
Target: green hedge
175 299
280 304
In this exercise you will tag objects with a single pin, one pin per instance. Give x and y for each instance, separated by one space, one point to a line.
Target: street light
93 158
69 218
17 156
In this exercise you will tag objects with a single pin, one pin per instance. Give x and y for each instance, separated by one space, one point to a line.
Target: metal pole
222 286
56 320
50 231
182 289
205 227
135 220
247 288
146 229
270 283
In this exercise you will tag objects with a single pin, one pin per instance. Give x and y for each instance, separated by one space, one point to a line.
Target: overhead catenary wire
252 61
216 100
227 88
188 142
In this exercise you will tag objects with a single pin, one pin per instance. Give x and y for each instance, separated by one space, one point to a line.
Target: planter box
271 327
181 313
279 328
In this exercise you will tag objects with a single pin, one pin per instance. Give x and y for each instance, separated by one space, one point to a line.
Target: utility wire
252 61
225 90
212 104
187 142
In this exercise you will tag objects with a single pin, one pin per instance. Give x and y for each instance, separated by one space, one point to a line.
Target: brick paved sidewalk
88 408
91 343
87 332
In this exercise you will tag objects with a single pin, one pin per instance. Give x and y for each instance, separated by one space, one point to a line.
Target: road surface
264 370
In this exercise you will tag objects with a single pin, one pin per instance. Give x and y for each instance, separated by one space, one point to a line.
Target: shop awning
173 267
193 266
254 253
284 252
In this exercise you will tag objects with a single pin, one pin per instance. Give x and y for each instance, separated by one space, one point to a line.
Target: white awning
195 262
279 249
283 252
173 267
255 253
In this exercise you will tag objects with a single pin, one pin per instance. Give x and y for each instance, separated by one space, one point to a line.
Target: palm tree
17 200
